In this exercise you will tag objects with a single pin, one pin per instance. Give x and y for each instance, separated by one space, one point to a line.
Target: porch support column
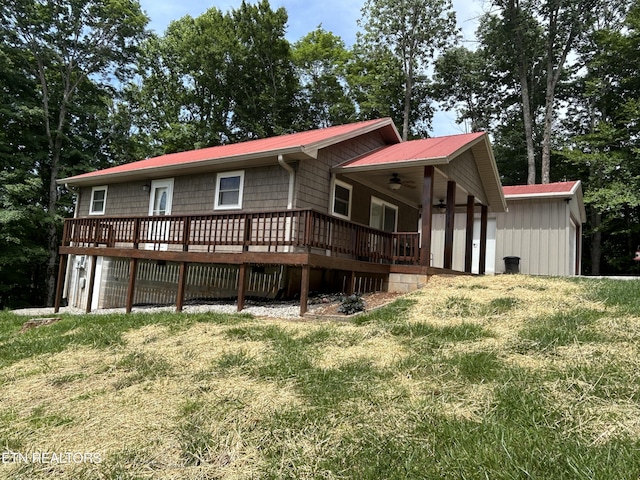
427 203
242 286
484 218
181 284
304 289
92 282
131 287
468 251
60 282
450 217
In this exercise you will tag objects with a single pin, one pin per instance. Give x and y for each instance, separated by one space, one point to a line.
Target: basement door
97 285
490 264
160 202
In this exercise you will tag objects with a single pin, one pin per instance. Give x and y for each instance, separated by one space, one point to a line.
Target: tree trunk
407 106
528 125
52 230
545 166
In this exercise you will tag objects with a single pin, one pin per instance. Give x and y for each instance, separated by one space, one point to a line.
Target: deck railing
274 231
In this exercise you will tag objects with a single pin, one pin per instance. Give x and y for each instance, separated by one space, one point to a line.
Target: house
345 208
541 230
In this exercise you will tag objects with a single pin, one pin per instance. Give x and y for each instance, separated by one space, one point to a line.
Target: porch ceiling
412 179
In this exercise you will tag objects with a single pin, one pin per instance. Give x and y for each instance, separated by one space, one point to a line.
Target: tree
375 83
602 144
413 31
321 58
215 79
69 43
536 37
461 82
265 85
22 245
512 40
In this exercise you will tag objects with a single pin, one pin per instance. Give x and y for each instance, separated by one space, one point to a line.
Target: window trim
383 204
346 186
219 176
104 188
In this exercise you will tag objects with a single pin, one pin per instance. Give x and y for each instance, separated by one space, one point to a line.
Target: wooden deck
301 237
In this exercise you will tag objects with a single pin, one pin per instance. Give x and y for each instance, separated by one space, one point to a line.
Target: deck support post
450 217
349 282
60 282
242 286
181 285
484 218
426 223
131 287
304 289
92 282
468 251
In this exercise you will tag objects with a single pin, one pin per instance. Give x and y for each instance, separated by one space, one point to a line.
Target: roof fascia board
495 176
162 170
524 196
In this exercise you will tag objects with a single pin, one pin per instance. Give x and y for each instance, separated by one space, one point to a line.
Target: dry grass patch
472 377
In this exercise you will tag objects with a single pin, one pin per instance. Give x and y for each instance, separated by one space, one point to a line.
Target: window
98 200
229 187
341 202
384 216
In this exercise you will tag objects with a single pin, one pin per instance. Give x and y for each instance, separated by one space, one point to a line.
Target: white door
160 202
490 264
97 285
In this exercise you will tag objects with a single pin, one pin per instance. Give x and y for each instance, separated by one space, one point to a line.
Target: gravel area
281 310
322 305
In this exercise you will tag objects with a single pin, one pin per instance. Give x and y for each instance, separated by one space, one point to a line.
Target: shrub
351 304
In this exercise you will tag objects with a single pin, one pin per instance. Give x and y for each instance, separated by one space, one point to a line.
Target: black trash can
511 264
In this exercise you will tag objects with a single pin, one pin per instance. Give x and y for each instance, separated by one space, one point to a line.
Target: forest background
85 85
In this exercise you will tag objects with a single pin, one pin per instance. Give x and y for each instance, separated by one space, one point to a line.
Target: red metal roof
541 189
310 139
415 150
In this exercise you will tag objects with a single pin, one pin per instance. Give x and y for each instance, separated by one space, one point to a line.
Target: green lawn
506 377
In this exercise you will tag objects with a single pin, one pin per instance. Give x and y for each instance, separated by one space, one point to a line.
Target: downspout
292 180
288 225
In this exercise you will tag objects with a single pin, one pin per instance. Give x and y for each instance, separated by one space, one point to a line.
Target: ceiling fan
395 182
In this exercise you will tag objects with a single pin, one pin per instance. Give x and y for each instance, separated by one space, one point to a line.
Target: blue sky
337 16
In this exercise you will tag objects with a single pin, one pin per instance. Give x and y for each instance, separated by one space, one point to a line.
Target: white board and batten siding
541 233
459 239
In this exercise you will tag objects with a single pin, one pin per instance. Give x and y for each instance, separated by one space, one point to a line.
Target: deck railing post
136 232
247 233
186 233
